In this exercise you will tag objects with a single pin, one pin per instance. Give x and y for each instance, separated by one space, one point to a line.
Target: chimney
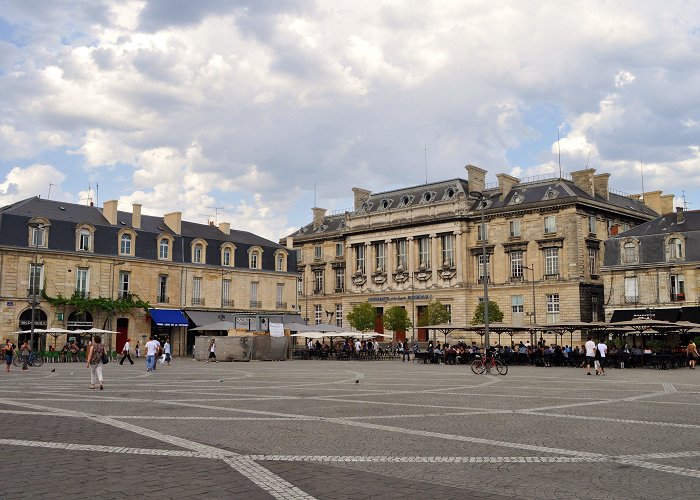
136 215
652 199
583 179
600 185
635 197
109 210
476 177
667 203
506 183
361 196
174 221
319 215
680 216
225 227
290 242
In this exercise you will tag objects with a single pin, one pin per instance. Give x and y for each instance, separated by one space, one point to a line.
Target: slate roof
665 224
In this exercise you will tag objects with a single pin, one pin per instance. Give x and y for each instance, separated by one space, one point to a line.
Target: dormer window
84 240
449 193
405 200
517 198
427 197
255 258
199 251
197 256
630 252
125 245
84 237
164 249
674 248
551 193
280 261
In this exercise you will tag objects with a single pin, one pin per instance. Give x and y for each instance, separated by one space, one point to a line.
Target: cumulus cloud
39 179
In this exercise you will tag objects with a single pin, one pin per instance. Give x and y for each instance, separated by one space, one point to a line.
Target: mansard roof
665 224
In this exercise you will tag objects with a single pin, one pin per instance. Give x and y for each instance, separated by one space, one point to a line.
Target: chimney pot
476 177
136 215
680 215
174 221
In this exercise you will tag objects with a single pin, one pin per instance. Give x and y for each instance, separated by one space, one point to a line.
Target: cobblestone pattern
303 430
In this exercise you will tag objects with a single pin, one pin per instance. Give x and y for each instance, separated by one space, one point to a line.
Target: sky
253 112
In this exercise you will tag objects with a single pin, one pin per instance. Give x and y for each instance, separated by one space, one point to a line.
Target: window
677 288
448 253
164 249
339 315
339 279
481 267
593 261
279 302
551 261
591 224
84 240
318 281
123 291
482 232
516 304
360 259
631 290
675 249
125 244
299 254
280 262
338 249
300 285
226 293
514 226
552 308
401 254
630 253
163 289
197 254
550 224
254 302
197 299
516 264
36 272
379 257
424 253
226 260
254 259
318 252
318 314
82 282
39 236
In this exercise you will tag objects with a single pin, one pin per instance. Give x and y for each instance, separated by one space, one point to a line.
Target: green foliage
396 319
495 313
362 317
84 304
435 314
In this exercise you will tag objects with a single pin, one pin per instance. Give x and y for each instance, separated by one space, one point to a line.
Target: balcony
339 289
227 303
480 281
631 299
280 305
31 292
162 299
318 291
554 276
677 297
82 294
197 301
255 304
123 295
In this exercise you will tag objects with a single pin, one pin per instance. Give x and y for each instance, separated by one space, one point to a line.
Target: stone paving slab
305 429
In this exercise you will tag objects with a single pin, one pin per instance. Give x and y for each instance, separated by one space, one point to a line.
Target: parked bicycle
34 359
484 364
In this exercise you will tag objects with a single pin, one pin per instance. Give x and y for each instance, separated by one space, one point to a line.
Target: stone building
418 244
652 270
86 255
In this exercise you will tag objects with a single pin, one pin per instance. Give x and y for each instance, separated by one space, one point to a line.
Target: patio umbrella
444 328
56 332
299 327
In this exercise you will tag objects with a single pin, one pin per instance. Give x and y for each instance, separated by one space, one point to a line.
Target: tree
495 313
435 314
362 317
396 319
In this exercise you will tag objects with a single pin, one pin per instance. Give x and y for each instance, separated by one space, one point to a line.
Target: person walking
692 354
137 350
212 352
602 351
94 361
166 350
25 350
125 353
151 350
8 351
590 354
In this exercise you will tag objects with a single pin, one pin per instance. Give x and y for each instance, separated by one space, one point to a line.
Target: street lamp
534 307
413 312
111 288
483 198
35 238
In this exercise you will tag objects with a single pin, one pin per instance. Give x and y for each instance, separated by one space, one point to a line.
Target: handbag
105 358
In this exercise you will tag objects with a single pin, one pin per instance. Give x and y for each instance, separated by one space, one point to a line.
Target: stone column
459 256
389 258
348 267
434 257
411 255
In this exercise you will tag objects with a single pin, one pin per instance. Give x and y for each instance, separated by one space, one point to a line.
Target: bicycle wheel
478 367
37 361
501 367
17 360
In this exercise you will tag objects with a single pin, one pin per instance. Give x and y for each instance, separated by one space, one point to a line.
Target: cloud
21 183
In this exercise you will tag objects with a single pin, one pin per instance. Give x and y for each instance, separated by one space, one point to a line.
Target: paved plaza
334 429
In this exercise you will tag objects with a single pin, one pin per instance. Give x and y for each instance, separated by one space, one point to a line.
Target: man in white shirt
358 347
590 353
166 351
151 351
125 353
602 351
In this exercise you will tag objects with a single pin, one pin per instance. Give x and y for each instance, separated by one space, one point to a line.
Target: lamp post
482 197
413 311
111 287
35 237
534 306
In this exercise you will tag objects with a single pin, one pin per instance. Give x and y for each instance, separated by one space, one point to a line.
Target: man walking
151 350
166 350
590 353
602 351
125 352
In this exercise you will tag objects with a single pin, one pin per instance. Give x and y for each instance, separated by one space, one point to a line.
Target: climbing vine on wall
83 304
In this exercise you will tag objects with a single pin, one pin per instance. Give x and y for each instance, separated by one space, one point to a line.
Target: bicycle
34 360
488 361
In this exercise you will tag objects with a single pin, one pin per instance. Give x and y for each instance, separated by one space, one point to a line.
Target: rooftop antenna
217 211
426 164
685 202
97 194
315 194
49 196
641 170
559 150
589 157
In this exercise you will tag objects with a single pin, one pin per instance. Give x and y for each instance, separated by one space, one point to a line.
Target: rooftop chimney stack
505 184
583 179
667 203
136 215
680 216
225 227
476 177
174 221
319 215
109 210
601 185
652 199
361 196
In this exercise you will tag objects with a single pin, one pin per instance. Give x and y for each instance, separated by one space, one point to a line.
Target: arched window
228 254
630 253
199 251
280 260
255 258
675 248
197 254
164 249
84 236
227 257
125 244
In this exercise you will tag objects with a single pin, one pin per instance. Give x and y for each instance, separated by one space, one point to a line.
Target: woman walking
212 352
8 350
94 361
692 354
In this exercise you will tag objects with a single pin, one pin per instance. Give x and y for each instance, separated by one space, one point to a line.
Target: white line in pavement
108 449
669 388
609 419
426 460
272 483
662 468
